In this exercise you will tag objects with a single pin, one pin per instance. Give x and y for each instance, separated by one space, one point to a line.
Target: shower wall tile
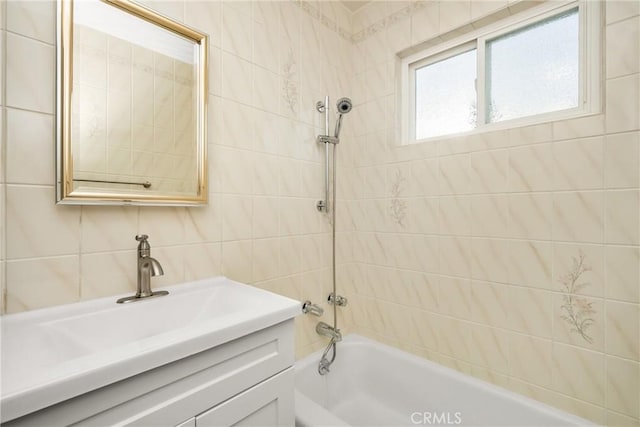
577 216
583 409
530 216
454 297
490 303
623 48
582 262
579 373
618 10
23 141
33 284
531 359
422 215
579 321
526 135
580 127
455 259
237 42
623 104
453 338
530 263
531 168
454 14
236 78
490 215
204 225
215 69
531 311
109 229
455 216
489 171
623 387
490 259
237 213
623 330
164 225
265 217
237 125
31 211
622 160
265 259
454 175
31 76
425 24
172 9
622 213
105 274
490 348
202 261
34 19
622 270
578 164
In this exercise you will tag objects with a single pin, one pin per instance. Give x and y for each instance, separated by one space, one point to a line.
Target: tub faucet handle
338 300
309 308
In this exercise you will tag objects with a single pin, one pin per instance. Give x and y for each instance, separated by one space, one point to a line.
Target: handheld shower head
343 105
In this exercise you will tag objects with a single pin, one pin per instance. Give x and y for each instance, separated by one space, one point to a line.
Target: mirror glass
131 106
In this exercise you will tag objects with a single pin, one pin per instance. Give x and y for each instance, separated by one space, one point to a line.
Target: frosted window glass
446 96
533 70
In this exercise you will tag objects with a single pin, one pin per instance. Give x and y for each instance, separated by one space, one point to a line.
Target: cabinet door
269 403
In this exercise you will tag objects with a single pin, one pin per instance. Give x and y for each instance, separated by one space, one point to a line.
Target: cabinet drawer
270 403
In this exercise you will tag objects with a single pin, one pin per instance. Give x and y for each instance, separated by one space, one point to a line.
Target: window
445 95
540 66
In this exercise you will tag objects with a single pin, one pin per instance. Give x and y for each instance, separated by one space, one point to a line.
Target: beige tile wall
270 62
468 250
455 250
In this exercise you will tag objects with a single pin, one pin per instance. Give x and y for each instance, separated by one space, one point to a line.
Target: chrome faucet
329 332
309 308
147 267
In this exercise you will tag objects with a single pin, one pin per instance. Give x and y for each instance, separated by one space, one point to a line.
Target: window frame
589 73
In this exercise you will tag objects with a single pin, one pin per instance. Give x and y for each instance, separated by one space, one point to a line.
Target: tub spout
329 331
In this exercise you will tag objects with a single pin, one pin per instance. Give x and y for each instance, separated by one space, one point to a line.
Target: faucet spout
148 267
156 268
329 332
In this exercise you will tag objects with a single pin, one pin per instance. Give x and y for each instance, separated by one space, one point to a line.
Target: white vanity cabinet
247 381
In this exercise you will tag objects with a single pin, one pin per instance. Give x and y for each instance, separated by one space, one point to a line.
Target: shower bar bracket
326 139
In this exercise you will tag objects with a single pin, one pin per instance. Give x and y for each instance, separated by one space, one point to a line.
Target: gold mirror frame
65 193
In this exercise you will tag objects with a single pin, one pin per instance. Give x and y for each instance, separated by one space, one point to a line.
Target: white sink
54 354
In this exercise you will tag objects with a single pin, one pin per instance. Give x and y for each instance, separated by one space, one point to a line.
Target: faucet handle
144 247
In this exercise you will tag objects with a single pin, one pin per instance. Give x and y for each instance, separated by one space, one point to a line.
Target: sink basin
53 354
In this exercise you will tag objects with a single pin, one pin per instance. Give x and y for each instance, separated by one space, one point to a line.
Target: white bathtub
371 384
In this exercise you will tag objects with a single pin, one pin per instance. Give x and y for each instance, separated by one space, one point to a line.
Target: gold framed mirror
131 106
